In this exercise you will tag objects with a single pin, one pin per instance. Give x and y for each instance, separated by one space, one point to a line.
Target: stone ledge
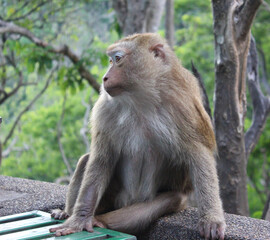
20 195
183 225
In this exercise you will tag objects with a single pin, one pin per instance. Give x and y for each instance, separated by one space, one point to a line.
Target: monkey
152 145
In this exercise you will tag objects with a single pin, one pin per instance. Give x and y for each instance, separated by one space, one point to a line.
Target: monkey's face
113 79
136 66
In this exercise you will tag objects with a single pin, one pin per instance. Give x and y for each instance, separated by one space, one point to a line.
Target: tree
232 24
169 22
266 212
138 16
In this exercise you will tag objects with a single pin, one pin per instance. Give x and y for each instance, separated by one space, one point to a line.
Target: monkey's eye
117 58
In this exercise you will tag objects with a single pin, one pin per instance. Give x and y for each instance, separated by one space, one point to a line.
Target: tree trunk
169 22
138 16
232 23
153 15
266 211
260 103
0 153
0 144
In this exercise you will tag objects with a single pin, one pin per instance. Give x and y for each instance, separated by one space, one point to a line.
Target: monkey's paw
59 214
212 229
74 224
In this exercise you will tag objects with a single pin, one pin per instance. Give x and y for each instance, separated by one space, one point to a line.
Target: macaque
152 144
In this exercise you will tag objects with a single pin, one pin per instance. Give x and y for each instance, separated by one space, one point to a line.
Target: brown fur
152 143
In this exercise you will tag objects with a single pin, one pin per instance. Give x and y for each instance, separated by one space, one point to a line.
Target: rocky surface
183 225
21 195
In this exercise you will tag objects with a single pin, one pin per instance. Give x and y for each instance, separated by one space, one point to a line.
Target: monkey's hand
212 227
59 214
77 224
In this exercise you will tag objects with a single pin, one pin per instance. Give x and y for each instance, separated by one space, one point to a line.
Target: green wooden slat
21 216
43 233
25 224
76 236
18 216
115 234
38 225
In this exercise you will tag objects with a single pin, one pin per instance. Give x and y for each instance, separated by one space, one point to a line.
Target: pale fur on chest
138 131
139 164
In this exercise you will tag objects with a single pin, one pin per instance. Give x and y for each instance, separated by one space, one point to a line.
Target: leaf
10 11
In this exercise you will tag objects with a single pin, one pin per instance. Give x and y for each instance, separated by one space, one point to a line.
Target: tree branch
8 27
15 90
63 180
266 6
59 134
0 144
261 104
264 71
12 147
28 107
120 8
0 153
266 211
154 15
84 130
202 89
21 8
246 14
169 22
28 13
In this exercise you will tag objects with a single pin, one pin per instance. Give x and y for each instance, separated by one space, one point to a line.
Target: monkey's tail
137 217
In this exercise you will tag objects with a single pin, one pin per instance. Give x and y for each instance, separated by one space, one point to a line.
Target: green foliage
258 170
43 160
38 55
69 78
195 40
258 167
255 204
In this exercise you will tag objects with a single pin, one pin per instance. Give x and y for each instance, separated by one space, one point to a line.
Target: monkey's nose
105 79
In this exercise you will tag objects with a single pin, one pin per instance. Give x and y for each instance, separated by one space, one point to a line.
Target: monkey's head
138 63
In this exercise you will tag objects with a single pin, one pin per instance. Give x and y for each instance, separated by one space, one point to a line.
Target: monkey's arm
205 180
73 189
96 177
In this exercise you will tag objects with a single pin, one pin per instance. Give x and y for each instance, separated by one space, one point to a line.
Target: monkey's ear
158 51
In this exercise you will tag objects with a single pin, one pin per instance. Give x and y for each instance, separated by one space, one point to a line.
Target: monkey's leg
73 189
137 217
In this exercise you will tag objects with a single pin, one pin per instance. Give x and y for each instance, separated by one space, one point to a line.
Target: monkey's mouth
114 91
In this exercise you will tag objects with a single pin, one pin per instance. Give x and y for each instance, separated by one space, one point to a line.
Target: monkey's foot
73 225
212 229
59 214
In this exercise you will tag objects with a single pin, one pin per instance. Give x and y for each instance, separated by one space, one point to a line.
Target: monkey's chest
137 175
137 169
143 147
